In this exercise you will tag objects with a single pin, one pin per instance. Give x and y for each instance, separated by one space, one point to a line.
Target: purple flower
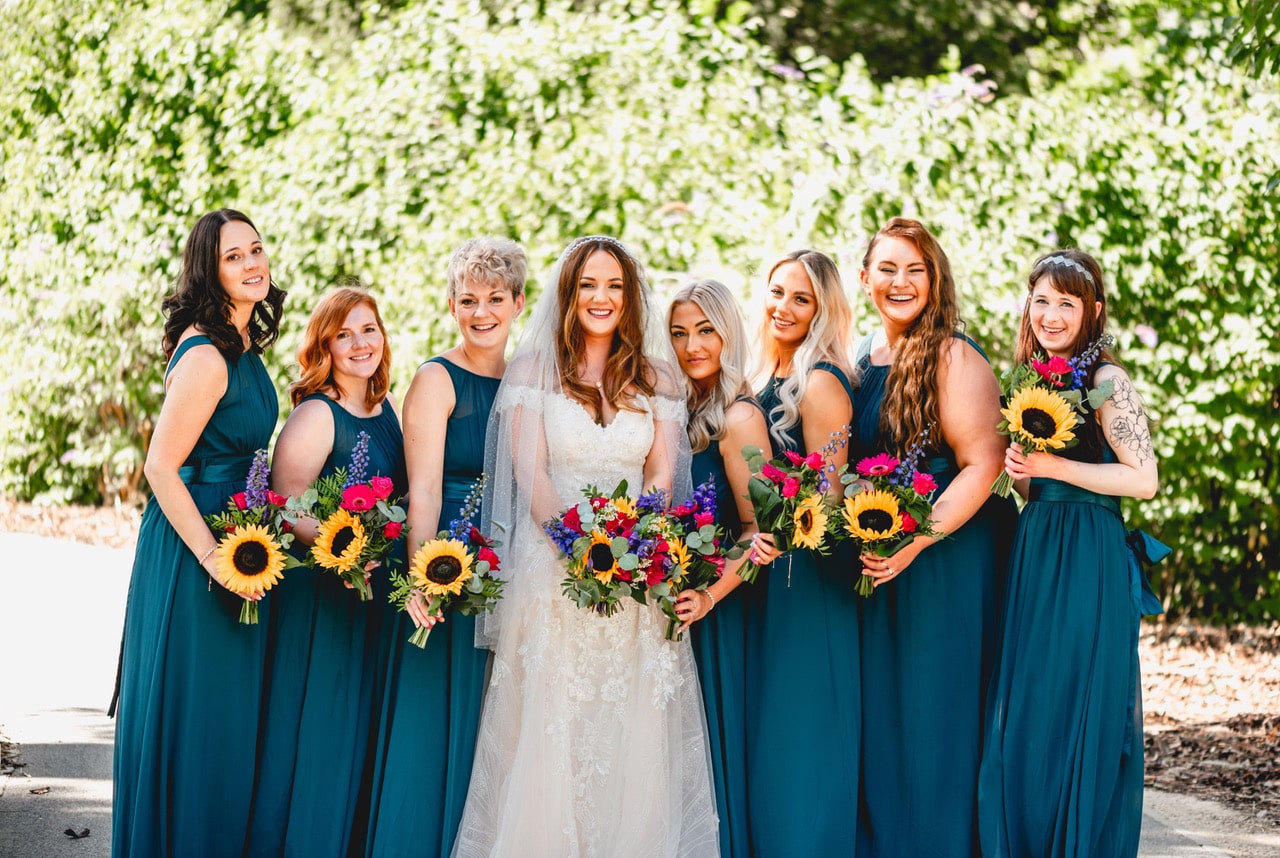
255 487
359 460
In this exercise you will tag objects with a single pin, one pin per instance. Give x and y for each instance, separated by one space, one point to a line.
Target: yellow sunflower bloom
342 539
810 523
1041 418
873 515
625 506
248 560
440 567
600 559
680 554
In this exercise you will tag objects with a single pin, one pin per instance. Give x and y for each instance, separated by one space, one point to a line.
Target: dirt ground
1211 695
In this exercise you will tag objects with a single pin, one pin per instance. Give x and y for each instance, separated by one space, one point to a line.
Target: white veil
520 493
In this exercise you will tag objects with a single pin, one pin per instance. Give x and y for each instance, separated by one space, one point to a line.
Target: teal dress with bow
190 687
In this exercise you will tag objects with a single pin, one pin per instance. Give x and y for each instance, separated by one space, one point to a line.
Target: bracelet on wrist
712 597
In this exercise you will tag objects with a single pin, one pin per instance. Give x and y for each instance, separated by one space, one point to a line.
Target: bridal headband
1067 262
603 239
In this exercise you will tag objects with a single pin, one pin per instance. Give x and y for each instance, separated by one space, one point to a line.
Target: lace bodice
582 452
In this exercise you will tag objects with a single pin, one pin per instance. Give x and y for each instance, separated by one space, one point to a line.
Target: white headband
1067 262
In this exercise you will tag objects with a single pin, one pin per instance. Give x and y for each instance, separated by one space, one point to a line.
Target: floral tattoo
1128 428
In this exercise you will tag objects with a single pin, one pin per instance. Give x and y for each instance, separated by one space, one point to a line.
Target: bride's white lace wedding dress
592 740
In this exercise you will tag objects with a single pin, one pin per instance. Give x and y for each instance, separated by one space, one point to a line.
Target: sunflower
248 560
1040 418
440 567
600 559
342 539
625 506
873 515
810 523
680 559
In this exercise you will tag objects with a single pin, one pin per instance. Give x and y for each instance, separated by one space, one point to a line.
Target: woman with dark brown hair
928 630
189 691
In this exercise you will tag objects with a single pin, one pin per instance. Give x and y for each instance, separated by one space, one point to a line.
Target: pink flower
490 556
240 500
909 523
382 487
922 484
815 462
877 466
772 473
358 498
571 519
275 499
1147 335
680 511
793 457
1053 371
392 529
790 486
703 518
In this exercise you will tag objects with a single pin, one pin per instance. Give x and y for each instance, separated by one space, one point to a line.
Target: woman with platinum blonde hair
802 617
593 739
710 342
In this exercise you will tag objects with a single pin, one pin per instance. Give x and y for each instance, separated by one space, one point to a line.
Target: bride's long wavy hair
830 340
707 408
626 366
911 391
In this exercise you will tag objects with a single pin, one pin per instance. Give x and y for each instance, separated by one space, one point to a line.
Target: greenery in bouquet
1045 401
698 551
359 520
788 496
256 526
455 571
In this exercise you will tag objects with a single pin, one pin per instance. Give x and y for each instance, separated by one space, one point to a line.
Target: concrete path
61 612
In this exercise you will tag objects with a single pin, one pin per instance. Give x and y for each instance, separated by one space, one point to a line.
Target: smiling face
697 344
790 305
897 282
484 313
600 295
243 269
356 349
1057 318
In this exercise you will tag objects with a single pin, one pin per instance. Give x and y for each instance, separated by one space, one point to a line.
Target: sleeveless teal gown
719 644
802 715
1062 763
190 686
928 647
431 705
320 697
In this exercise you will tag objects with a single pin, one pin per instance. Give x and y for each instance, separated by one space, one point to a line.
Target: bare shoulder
431 384
308 417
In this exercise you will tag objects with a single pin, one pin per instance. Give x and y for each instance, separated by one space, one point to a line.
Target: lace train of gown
593 740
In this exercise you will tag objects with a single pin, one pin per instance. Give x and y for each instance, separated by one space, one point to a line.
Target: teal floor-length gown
431 706
189 690
719 643
928 648
802 686
322 681
1062 763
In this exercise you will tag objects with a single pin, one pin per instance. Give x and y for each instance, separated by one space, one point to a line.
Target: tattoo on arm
1128 428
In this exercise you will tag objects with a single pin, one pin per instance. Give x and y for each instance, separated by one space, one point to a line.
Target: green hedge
125 120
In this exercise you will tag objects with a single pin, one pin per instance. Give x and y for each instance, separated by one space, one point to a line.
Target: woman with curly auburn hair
320 705
928 630
430 708
188 669
802 611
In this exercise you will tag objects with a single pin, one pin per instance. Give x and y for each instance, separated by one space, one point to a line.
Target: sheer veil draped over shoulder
593 740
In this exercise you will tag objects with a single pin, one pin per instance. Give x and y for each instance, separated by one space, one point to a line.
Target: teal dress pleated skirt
802 717
928 649
322 682
190 686
430 707
719 647
1062 765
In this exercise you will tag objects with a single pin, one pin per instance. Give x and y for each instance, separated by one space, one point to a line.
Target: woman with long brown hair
928 630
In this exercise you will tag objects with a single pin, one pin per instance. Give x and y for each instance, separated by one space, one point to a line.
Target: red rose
923 484
358 498
286 526
703 518
382 487
393 530
681 511
908 523
790 486
793 457
655 576
229 528
772 473
815 462
489 556
572 520
240 500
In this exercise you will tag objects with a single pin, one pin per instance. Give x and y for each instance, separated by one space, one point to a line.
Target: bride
592 738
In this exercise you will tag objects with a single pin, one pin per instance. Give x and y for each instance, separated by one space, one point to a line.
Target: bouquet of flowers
788 495
1045 402
697 552
887 504
252 553
455 570
359 522
618 546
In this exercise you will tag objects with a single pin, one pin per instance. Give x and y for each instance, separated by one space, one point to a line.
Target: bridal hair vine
1059 261
604 239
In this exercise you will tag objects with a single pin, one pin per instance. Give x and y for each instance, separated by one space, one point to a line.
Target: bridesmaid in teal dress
1062 762
189 671
321 688
710 343
802 716
928 630
431 706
